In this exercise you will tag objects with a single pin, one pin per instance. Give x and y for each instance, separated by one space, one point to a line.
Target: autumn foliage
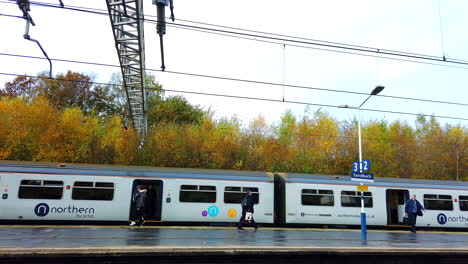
41 128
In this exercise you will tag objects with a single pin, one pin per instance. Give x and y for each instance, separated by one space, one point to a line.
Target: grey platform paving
34 238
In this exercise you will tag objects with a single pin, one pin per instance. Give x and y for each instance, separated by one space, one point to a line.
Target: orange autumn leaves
39 132
34 129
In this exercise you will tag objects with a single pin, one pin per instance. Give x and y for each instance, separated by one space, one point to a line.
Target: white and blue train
84 193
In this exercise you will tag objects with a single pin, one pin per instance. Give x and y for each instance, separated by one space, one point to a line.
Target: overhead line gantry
126 18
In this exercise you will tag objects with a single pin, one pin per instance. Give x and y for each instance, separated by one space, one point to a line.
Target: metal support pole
363 213
363 219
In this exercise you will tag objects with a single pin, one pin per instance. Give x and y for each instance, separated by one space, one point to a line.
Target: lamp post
376 91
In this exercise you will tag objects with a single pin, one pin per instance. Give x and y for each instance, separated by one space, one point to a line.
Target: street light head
343 106
377 90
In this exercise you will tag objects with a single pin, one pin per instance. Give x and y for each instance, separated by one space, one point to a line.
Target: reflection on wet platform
115 236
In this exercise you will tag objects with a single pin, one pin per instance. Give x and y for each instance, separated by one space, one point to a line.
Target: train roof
379 181
133 171
184 173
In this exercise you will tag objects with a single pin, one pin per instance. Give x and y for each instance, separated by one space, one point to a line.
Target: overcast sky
410 26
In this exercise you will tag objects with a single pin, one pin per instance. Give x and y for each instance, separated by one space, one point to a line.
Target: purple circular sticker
204 213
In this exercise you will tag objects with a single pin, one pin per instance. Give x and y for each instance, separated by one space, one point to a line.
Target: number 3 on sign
366 165
356 166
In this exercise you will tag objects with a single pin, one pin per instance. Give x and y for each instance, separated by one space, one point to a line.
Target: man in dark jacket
139 200
412 209
247 207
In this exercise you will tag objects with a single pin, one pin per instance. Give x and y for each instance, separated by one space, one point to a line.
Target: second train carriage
326 200
103 193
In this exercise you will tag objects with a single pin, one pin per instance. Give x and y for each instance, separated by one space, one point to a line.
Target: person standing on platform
413 209
247 208
140 202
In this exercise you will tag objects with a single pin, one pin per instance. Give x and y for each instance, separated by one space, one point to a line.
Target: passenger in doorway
140 203
151 197
247 207
413 209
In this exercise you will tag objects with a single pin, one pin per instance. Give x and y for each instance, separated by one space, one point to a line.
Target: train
69 193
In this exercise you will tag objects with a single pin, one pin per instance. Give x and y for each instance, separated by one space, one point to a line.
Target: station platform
119 244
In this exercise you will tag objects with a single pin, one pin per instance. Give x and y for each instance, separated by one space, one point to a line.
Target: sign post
358 175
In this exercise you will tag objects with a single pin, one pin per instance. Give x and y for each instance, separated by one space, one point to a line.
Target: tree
22 86
175 109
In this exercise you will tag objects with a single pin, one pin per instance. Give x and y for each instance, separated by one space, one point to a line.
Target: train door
396 206
154 199
279 200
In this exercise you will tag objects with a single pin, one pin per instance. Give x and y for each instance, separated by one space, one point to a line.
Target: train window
438 202
189 187
197 194
463 201
31 182
207 188
53 183
235 195
40 189
100 191
232 189
353 199
317 197
83 184
104 185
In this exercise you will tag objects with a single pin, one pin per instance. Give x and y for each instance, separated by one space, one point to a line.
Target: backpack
141 199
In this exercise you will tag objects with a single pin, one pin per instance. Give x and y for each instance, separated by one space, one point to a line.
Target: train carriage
326 200
91 193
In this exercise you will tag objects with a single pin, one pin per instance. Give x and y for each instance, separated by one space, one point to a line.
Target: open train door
154 199
396 206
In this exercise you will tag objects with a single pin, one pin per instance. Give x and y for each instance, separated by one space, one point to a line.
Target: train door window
353 199
197 194
100 191
463 201
317 197
40 189
235 195
438 202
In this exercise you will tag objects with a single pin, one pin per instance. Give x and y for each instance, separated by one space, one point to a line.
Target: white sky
410 26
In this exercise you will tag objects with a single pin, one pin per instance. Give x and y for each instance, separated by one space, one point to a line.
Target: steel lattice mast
126 18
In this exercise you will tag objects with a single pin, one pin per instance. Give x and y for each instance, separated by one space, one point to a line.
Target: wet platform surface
56 237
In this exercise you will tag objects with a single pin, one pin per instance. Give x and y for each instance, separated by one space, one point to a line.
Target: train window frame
355 199
237 194
463 202
317 193
40 189
429 204
201 194
91 191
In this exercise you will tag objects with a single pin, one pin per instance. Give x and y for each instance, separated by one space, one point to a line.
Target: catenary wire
279 38
242 80
261 99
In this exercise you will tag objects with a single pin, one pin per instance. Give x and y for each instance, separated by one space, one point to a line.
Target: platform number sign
365 166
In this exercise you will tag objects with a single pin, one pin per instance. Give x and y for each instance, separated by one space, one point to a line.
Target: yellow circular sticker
232 213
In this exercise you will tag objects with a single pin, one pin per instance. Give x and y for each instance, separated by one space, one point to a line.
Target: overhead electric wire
253 98
7 15
244 80
279 37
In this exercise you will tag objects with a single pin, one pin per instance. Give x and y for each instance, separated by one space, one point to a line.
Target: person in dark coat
140 202
247 207
413 208
151 197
